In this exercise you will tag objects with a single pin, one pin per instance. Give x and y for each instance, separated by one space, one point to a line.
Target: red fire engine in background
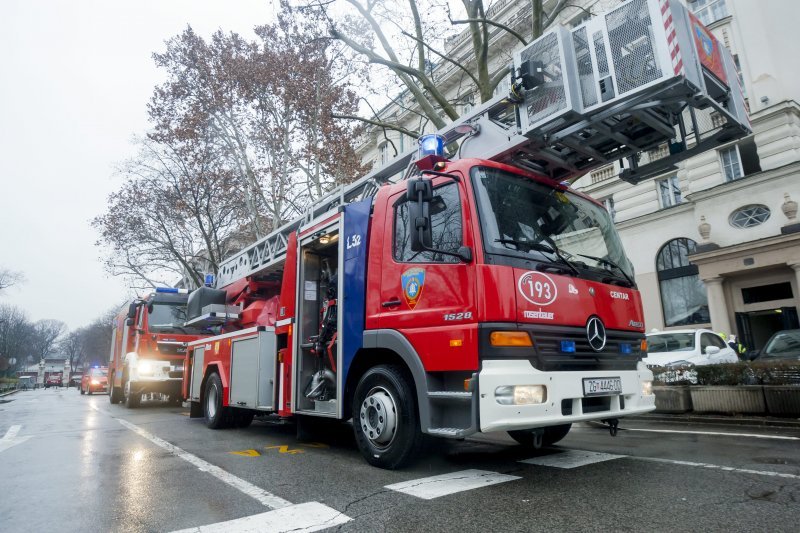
478 293
148 345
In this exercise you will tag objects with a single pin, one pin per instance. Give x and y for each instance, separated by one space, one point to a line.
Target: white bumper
561 386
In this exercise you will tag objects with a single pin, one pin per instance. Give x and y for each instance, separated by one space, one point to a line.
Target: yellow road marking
247 453
283 449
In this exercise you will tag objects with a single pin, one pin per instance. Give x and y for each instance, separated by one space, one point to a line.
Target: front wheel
132 399
114 394
552 434
385 419
82 392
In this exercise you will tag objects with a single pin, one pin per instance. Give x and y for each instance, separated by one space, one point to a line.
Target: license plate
602 386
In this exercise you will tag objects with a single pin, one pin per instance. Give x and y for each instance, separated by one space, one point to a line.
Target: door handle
391 303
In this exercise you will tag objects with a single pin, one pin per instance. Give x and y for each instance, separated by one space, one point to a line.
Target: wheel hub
378 417
211 402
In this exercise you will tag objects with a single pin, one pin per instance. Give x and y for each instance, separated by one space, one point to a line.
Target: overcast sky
74 81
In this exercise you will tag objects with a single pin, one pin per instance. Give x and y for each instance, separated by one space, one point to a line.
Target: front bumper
565 398
167 386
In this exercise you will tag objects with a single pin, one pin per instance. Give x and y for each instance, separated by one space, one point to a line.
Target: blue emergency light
568 346
431 144
625 348
172 290
209 281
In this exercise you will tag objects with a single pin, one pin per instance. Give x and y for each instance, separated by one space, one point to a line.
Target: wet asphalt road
75 463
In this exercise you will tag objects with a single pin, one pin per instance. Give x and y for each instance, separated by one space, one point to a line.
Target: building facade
715 243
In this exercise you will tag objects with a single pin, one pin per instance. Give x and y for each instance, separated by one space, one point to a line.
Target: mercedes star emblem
596 333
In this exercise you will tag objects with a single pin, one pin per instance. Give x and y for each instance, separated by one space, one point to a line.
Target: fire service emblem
413 281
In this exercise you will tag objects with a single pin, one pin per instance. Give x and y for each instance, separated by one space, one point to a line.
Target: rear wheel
217 416
552 434
385 417
82 392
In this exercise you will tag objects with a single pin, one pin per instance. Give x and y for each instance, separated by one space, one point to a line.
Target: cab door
428 296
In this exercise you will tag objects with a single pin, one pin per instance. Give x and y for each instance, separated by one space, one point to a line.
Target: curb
9 393
718 420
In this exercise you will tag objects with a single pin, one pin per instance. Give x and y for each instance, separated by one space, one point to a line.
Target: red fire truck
479 292
148 346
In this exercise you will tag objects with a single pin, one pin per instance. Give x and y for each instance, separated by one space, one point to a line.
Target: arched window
683 295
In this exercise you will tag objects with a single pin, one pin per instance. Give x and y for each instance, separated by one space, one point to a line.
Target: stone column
720 322
796 268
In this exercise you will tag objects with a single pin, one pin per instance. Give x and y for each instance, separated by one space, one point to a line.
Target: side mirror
129 321
132 311
712 350
419 194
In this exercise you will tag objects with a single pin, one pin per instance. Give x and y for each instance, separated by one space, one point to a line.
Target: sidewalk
694 418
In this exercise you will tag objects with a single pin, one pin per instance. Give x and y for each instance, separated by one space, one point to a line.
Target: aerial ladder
644 77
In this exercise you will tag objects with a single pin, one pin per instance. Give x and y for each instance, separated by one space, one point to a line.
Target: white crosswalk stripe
12 438
432 487
304 517
571 459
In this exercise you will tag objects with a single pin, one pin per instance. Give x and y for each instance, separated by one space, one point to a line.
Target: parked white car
687 347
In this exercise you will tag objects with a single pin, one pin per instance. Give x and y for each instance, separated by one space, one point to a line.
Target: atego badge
413 281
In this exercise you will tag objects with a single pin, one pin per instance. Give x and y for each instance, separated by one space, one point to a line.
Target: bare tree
9 278
176 215
46 334
16 335
417 46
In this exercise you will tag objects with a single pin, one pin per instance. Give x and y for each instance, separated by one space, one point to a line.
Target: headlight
95 382
520 394
145 367
647 388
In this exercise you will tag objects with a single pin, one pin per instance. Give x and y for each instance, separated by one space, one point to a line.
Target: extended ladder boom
646 83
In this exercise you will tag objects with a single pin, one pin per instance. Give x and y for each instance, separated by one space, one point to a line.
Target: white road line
265 498
718 467
571 459
11 439
751 435
11 433
312 516
429 488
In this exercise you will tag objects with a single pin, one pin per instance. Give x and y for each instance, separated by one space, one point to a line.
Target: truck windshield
168 317
523 218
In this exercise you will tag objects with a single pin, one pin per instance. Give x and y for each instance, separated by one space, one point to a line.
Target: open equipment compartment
318 321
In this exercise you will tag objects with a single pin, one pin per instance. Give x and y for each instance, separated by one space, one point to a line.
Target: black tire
82 391
552 434
385 419
217 416
114 394
243 419
132 400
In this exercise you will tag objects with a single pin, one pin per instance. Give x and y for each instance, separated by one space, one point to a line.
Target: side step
450 433
450 395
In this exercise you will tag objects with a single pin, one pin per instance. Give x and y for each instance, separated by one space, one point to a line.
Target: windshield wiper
541 247
612 264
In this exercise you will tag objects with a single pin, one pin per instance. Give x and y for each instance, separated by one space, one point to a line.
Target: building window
731 163
446 228
749 216
609 205
383 150
709 11
683 295
669 191
402 143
